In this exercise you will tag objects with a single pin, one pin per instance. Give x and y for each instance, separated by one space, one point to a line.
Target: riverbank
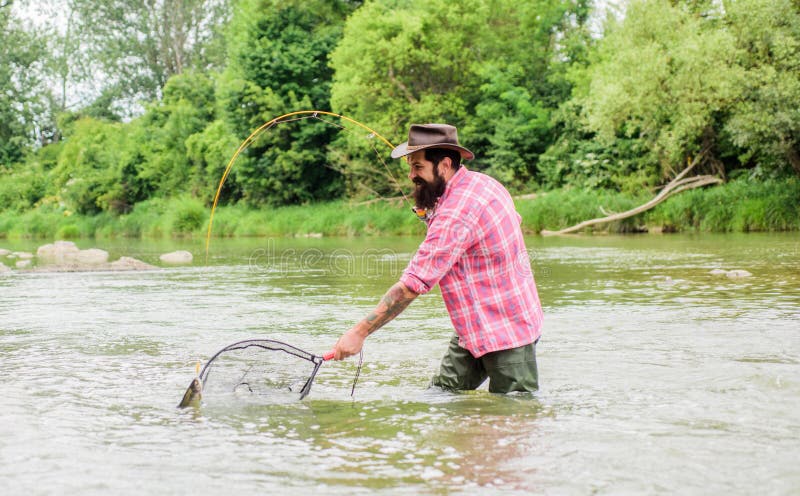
737 206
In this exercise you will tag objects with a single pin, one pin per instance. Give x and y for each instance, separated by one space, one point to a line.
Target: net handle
328 356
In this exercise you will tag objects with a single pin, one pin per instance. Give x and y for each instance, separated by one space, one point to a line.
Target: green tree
160 136
87 174
677 78
513 123
765 122
487 66
666 76
209 152
24 101
138 45
279 63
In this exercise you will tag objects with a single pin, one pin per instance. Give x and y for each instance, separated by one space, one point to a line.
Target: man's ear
446 163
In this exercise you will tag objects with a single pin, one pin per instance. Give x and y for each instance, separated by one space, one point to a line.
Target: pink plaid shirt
475 251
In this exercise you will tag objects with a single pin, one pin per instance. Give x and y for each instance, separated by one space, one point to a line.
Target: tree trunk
680 183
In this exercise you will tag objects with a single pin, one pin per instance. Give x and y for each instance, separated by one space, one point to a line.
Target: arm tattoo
393 302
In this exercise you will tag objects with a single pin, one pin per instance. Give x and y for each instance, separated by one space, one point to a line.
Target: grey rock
4 252
23 264
128 263
176 257
735 274
60 252
92 256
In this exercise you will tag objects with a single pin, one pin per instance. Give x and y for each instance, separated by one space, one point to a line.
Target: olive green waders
507 370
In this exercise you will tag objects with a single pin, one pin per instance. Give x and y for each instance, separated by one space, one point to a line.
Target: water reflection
656 374
438 439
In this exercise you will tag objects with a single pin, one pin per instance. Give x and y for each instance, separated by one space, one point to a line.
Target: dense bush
547 102
739 206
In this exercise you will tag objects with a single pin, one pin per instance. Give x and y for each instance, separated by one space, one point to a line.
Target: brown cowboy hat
422 136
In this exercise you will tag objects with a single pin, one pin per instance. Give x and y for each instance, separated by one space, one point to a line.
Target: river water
656 376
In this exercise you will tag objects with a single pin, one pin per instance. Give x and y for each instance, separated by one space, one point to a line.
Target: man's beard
426 194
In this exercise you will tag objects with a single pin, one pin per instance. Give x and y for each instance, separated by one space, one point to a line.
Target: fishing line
290 117
374 149
195 389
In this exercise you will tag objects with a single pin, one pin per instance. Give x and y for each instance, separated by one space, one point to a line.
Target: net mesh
264 368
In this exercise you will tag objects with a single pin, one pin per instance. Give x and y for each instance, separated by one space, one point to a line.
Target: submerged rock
128 263
92 256
64 256
23 255
23 264
176 257
123 264
4 269
60 252
718 272
4 252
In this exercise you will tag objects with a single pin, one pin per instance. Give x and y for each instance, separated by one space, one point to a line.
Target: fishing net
262 368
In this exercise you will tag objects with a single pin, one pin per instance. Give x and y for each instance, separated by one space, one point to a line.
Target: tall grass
565 207
738 206
326 219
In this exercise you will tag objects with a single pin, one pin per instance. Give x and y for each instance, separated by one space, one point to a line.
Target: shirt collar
459 176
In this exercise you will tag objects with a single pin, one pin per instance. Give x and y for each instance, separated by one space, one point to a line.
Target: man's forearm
393 302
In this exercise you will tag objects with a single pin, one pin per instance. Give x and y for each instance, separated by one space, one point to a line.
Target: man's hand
393 302
349 344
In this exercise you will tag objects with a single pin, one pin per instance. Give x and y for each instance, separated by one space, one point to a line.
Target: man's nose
411 175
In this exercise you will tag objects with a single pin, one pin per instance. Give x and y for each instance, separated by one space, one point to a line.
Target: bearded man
475 252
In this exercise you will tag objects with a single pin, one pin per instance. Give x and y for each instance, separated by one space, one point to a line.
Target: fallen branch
606 212
677 185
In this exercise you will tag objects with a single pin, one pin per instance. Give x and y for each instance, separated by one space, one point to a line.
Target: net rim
268 344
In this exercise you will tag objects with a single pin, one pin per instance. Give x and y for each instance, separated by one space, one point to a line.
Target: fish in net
263 368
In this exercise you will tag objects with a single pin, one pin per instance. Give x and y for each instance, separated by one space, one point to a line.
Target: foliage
663 76
162 133
562 208
138 45
765 122
278 64
86 178
24 99
24 185
327 219
739 206
209 152
188 216
153 97
485 66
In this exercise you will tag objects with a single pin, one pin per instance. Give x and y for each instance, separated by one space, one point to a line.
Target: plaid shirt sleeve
448 238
